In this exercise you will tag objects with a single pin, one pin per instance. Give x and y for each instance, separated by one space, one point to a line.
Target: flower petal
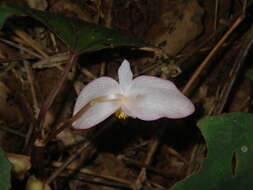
151 98
125 76
102 86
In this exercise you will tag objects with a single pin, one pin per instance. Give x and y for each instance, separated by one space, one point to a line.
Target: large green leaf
225 135
5 172
80 36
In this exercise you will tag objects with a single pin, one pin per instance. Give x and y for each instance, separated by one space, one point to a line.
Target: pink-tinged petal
102 86
151 98
125 76
96 114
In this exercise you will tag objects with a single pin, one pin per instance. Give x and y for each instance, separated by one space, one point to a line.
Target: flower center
112 97
120 114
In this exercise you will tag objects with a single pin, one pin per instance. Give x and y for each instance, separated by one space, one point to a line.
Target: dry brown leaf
35 184
20 164
37 4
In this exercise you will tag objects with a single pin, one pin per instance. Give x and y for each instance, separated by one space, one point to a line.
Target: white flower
145 97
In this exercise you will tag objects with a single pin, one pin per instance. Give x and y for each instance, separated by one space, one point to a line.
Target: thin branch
29 74
22 48
99 182
102 69
34 44
15 132
88 74
150 168
239 62
50 99
153 147
193 80
216 10
92 173
67 162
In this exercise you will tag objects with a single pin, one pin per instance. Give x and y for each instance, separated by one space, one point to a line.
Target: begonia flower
144 97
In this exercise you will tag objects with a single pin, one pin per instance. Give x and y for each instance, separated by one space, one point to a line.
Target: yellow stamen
120 114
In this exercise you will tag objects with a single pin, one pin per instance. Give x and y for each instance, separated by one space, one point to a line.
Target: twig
158 187
191 83
245 104
33 92
150 68
22 48
28 135
27 40
34 44
216 10
7 68
49 100
102 69
52 37
15 59
99 182
88 74
52 61
177 155
244 6
142 175
239 62
67 162
35 102
15 132
94 174
149 168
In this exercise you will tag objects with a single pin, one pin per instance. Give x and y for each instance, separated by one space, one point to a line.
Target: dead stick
150 168
50 99
99 182
67 162
190 85
89 172
216 11
29 74
12 131
239 62
35 101
34 44
22 48
142 175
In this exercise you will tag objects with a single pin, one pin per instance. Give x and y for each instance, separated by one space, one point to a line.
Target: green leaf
5 172
79 35
225 135
249 74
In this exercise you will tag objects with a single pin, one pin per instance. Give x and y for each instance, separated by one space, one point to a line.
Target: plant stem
51 97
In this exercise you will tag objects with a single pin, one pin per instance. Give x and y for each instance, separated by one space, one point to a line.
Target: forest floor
203 49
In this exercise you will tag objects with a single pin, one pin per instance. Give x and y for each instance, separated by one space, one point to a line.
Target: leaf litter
117 158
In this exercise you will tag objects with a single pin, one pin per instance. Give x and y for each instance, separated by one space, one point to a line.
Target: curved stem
51 97
112 97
